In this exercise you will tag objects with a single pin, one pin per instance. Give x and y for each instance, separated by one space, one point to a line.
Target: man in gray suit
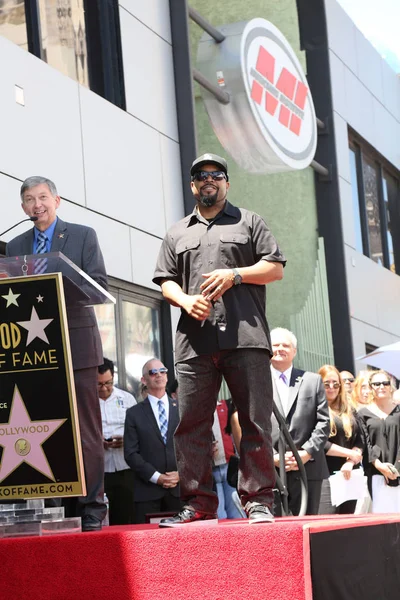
300 398
79 243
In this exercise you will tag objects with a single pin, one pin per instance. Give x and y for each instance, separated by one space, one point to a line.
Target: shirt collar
287 373
49 231
154 400
194 216
110 397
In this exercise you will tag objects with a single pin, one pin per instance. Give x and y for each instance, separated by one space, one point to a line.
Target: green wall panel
286 201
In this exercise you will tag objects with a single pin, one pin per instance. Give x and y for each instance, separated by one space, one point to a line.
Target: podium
40 446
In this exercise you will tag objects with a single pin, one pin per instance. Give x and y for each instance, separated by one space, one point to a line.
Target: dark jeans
325 505
294 495
119 489
247 373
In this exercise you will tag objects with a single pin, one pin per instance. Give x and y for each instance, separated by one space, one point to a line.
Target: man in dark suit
300 397
79 243
149 445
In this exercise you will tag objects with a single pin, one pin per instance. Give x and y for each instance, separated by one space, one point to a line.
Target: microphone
19 223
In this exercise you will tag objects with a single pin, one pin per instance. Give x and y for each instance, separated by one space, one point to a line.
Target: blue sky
379 21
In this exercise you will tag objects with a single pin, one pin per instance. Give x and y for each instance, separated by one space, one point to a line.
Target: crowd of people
186 453
355 425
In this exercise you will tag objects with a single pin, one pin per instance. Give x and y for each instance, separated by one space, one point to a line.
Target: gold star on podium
11 298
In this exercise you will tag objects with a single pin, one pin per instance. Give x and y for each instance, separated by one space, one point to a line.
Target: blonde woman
381 422
362 393
345 445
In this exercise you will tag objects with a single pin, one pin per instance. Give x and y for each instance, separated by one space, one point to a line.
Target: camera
394 482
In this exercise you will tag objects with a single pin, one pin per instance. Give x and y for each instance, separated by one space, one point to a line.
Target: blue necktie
40 264
162 418
283 377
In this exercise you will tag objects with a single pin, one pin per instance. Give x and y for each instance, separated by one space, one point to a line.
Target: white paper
347 489
219 457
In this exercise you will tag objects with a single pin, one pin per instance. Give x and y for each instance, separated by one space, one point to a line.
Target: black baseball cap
207 159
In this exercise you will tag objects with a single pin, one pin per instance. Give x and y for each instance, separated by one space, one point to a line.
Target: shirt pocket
236 249
189 256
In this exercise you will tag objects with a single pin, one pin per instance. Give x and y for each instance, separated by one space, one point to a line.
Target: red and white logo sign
286 97
278 93
269 124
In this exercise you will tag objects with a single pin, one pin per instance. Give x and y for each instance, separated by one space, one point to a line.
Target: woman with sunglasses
381 422
345 445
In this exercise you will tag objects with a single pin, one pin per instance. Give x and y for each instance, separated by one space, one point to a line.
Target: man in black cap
214 265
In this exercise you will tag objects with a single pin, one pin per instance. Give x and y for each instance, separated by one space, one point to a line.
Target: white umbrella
385 357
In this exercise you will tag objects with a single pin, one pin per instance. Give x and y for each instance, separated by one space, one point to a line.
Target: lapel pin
60 235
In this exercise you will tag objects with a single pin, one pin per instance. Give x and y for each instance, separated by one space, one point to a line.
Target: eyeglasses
331 384
162 371
349 379
204 175
106 383
377 384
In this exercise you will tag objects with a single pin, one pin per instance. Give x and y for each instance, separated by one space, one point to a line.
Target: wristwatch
237 278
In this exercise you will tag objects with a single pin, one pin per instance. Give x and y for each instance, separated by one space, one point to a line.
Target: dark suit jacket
307 418
79 243
145 451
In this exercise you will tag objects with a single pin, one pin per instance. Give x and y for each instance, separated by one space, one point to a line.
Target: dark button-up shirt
236 237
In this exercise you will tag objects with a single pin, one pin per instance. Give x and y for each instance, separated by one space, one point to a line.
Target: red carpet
232 560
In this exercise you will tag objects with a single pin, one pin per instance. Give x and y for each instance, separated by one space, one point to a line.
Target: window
368 349
371 198
132 331
80 38
13 22
140 339
356 201
376 205
392 210
63 37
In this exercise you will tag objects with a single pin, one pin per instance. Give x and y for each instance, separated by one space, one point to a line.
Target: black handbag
233 471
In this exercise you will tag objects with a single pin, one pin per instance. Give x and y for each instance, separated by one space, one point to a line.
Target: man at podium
79 243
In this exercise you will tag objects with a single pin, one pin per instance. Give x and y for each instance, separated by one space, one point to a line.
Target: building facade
340 230
92 107
366 123
98 95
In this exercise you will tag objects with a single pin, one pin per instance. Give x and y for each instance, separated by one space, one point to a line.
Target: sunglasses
377 384
331 384
204 175
106 383
349 379
153 372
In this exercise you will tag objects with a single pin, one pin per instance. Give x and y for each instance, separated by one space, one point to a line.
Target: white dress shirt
154 407
113 412
283 388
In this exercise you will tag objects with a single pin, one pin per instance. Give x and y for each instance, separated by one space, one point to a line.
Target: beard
208 201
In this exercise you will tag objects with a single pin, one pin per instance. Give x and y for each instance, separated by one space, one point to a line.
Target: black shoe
259 513
91 523
188 515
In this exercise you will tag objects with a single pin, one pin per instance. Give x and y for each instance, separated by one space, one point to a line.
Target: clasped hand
169 479
116 442
215 285
290 461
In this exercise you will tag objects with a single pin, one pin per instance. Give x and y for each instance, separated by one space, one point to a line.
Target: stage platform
311 558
